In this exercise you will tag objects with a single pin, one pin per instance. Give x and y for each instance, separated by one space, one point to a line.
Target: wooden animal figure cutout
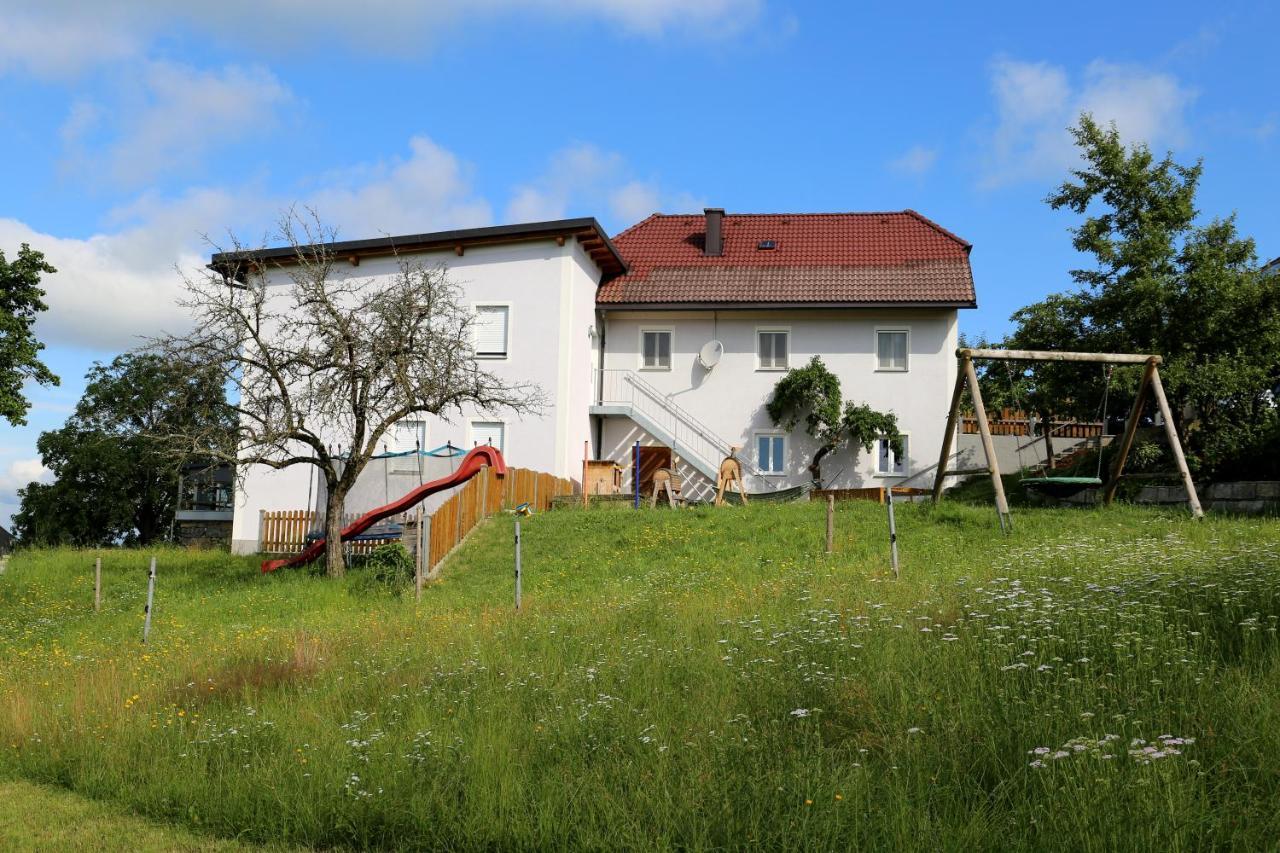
662 479
730 472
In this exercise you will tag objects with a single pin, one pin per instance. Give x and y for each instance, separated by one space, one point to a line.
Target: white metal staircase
624 393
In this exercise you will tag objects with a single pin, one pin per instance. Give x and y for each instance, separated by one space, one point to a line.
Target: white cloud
63 38
111 289
583 180
114 288
171 118
21 472
574 172
429 190
915 161
64 43
634 200
1036 103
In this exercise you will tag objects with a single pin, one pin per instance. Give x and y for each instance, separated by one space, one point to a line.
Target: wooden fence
485 494
1016 422
285 531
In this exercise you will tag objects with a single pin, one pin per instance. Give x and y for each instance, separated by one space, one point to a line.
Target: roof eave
586 230
747 306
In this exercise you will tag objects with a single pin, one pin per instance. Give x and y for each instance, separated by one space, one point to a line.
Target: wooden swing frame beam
1150 384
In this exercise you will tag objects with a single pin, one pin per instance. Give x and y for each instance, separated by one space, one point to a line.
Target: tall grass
696 679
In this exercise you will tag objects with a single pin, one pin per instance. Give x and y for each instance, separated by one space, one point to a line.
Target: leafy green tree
115 466
1161 282
21 299
812 394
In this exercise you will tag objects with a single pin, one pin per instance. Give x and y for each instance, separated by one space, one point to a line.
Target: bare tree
318 358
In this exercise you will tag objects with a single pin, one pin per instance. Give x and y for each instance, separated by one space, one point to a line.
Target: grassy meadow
703 679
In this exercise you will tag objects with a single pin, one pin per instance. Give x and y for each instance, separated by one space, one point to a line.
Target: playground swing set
1061 486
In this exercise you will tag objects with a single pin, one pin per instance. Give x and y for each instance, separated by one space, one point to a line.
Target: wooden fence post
831 521
419 557
893 532
151 593
457 516
517 564
426 550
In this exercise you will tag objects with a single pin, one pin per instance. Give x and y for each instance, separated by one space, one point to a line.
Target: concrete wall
1012 451
550 291
730 398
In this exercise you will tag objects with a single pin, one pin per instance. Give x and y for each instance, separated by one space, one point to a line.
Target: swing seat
1060 487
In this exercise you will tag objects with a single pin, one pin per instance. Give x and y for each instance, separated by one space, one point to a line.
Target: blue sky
128 133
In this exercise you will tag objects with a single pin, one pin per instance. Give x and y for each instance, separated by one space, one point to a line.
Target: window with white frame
772 347
408 434
491 329
655 349
489 432
889 463
771 452
891 349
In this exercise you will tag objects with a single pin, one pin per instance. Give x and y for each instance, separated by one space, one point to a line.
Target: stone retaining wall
1248 497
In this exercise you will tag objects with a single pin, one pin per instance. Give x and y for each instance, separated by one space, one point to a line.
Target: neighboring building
673 335
206 505
1271 267
6 542
533 289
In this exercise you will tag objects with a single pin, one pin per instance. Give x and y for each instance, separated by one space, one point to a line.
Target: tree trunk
815 467
335 565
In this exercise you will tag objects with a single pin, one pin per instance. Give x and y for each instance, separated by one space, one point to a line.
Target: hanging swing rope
1066 485
1106 393
1017 401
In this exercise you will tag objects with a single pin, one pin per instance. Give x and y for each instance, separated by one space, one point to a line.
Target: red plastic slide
471 465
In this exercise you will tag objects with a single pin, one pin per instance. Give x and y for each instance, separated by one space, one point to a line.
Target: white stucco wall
550 291
730 398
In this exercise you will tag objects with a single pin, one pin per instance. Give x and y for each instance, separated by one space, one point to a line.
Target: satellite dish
709 355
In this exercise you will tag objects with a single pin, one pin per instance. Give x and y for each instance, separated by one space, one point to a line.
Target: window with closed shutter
491 331
406 435
489 432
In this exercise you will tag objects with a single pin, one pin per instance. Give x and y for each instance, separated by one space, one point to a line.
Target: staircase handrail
682 414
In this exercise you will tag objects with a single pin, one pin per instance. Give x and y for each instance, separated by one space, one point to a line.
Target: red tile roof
821 258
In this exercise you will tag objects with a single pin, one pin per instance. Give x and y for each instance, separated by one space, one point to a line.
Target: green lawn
696 679
36 817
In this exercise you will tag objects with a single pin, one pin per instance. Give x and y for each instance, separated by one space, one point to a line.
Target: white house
673 333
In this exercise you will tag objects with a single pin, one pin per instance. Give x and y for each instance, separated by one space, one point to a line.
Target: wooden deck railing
1016 422
485 494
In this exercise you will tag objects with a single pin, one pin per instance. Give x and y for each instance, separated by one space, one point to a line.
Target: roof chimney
714 246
